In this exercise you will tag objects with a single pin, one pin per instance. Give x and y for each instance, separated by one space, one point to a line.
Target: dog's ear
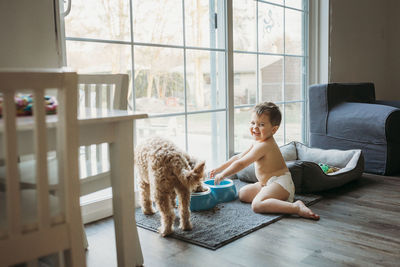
199 168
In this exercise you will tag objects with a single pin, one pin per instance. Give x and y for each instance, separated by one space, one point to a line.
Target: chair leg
85 241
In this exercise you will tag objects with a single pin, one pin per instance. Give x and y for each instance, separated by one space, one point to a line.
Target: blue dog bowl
202 200
225 191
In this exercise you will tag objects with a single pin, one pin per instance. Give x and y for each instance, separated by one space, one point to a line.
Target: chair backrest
104 90
99 91
22 240
323 97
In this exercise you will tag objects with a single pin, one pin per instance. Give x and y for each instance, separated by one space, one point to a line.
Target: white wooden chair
95 91
34 223
108 91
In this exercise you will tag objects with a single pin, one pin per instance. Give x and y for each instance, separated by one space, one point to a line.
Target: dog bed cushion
307 175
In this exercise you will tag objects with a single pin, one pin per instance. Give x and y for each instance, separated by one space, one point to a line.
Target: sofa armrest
395 104
392 127
324 97
360 122
393 121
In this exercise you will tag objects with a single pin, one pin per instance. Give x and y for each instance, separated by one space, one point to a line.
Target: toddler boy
274 191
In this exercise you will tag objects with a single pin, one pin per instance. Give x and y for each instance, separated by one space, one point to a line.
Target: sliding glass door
175 53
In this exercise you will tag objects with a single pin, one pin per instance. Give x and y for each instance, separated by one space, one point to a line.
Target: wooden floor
359 226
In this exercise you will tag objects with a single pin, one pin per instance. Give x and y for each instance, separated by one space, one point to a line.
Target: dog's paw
186 226
148 211
165 232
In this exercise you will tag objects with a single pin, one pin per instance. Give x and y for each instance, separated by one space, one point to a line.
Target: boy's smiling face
261 127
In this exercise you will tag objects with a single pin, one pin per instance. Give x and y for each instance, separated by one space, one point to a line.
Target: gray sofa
347 116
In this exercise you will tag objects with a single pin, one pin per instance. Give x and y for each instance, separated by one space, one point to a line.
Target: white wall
393 69
364 44
28 34
359 40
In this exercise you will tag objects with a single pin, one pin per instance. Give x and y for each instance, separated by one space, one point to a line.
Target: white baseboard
100 209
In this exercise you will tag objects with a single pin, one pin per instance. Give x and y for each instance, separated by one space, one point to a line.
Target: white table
97 126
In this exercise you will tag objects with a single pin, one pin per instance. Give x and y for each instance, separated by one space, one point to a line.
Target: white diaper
285 180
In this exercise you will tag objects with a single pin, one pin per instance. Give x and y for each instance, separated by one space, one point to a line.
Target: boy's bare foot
304 211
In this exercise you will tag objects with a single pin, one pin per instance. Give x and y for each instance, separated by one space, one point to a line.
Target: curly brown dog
166 171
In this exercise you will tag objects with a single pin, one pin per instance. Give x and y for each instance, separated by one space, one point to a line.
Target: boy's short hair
270 109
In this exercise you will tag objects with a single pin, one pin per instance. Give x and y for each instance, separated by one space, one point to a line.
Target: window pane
172 128
293 121
158 21
293 78
294 3
270 28
244 25
99 19
88 57
200 27
243 138
279 135
207 137
205 74
279 2
159 72
159 79
245 78
294 32
271 78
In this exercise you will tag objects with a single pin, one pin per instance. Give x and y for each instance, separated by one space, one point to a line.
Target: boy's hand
212 173
218 178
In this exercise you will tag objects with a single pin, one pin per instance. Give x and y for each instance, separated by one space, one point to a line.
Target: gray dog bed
307 175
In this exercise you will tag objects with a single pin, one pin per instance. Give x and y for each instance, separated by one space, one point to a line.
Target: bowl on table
225 191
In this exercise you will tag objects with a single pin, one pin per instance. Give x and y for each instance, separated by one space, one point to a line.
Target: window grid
132 45
133 95
284 75
284 55
184 75
305 81
258 58
279 5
